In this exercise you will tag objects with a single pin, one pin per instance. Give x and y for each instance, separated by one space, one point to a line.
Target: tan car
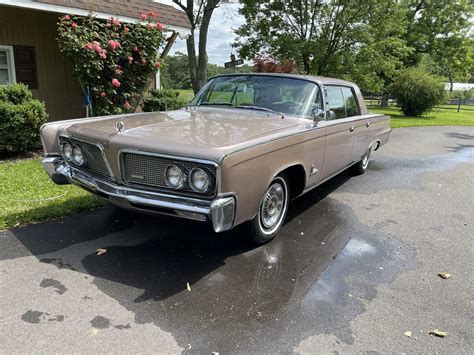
239 152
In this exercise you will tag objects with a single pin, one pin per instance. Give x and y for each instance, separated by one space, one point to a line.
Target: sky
224 19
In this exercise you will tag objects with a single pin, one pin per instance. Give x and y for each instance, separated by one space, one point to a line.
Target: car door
360 123
339 132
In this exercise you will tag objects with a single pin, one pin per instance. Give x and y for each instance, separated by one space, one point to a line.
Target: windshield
284 95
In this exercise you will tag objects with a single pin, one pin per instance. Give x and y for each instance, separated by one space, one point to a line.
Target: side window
7 65
335 102
350 101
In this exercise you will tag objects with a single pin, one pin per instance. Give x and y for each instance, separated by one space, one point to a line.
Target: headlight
200 180
174 176
67 150
77 156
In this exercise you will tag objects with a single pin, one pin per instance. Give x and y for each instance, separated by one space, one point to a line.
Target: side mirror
318 115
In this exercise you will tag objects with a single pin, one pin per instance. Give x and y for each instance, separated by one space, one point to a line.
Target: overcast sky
224 19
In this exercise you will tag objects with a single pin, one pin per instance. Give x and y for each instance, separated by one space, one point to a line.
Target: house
29 52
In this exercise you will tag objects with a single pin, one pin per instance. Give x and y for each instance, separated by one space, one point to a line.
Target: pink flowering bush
113 59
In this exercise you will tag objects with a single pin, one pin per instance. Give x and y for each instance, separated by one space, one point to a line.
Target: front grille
94 161
150 170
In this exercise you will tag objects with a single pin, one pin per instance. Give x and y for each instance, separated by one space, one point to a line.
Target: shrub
20 119
163 100
113 59
417 92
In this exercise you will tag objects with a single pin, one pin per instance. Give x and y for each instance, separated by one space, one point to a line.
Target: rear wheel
363 164
272 211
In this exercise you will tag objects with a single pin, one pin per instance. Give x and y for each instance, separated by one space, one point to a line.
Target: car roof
316 79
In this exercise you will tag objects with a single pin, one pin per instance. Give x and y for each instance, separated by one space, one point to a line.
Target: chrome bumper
220 211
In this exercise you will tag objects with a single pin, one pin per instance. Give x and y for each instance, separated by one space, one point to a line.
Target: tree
112 60
199 16
175 72
356 40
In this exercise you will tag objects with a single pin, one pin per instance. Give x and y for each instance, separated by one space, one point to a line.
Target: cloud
224 21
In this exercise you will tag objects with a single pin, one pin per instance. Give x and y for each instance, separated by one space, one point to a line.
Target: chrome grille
150 170
94 161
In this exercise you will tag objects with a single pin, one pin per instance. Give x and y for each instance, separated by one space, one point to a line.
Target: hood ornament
120 127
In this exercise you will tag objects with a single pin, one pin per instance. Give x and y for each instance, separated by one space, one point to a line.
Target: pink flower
116 83
159 26
96 46
126 29
67 17
130 59
157 64
73 25
143 16
102 94
103 56
151 27
143 61
88 45
126 105
114 44
135 49
118 72
114 21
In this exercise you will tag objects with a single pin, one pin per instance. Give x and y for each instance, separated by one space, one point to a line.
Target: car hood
193 130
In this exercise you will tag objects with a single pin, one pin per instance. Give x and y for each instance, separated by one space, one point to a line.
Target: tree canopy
367 41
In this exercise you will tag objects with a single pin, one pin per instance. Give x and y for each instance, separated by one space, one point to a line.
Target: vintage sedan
239 152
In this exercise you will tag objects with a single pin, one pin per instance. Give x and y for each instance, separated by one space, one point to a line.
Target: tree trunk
203 31
384 101
451 84
192 62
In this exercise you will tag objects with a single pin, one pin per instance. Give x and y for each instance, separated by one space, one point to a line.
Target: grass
27 195
188 95
441 116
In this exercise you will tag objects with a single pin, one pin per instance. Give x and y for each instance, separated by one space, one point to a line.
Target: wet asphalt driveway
354 268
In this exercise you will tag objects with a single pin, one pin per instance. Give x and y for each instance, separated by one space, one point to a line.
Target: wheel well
296 179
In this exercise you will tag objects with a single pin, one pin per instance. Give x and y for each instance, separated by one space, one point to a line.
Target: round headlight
174 176
200 180
67 150
77 156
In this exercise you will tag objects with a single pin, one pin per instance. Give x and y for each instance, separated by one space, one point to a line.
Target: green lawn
442 116
28 195
188 95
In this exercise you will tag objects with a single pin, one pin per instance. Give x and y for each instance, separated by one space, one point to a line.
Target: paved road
353 269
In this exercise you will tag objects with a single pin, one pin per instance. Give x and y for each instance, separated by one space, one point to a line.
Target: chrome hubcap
365 160
272 205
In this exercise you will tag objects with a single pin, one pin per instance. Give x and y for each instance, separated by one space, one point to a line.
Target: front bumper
220 211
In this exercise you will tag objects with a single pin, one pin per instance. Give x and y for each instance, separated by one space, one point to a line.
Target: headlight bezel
192 184
183 176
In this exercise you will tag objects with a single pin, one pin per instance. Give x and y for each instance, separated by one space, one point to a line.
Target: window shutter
25 66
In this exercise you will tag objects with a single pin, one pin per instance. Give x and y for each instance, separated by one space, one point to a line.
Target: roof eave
183 31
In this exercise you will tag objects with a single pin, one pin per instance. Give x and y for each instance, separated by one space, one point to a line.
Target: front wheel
272 211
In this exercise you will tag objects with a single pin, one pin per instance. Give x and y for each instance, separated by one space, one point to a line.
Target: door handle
367 124
352 129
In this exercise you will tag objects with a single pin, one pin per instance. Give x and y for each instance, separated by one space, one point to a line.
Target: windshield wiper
250 107
215 103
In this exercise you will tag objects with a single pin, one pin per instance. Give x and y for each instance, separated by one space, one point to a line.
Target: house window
7 65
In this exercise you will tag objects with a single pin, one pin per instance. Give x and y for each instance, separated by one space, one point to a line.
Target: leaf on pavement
444 275
101 251
438 333
407 334
188 286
